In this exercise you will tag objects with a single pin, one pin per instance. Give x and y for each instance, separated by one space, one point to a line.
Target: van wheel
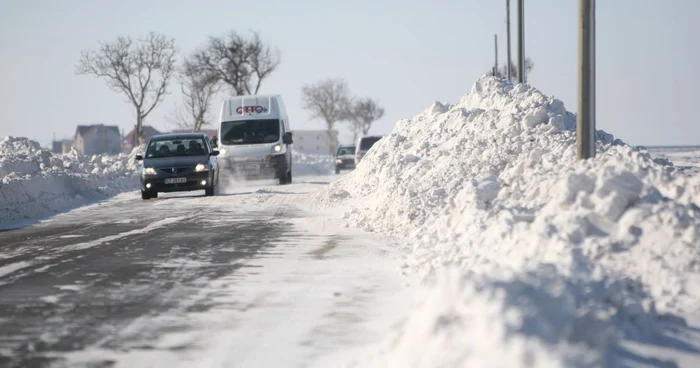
289 177
337 170
145 195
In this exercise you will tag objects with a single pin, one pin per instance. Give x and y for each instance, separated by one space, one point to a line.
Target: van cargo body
254 138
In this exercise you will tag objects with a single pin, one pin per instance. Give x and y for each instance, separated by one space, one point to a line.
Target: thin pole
495 44
509 71
585 124
521 41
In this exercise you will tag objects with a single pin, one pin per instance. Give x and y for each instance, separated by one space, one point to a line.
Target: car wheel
145 195
337 170
154 194
289 177
209 191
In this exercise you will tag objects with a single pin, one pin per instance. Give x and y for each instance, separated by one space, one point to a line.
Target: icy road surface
185 280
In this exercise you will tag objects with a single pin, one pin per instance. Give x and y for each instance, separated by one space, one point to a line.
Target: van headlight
201 167
276 148
149 171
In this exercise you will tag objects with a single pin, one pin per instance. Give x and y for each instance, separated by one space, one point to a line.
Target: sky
405 53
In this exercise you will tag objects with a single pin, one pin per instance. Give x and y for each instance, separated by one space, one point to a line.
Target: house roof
148 131
84 129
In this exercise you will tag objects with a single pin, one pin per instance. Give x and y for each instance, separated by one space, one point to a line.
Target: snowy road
235 280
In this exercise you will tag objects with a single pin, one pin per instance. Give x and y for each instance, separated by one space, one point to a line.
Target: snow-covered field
529 257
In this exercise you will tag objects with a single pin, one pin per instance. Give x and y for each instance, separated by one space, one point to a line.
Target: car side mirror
287 139
138 157
215 153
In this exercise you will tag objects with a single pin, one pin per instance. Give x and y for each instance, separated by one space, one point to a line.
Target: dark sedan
178 163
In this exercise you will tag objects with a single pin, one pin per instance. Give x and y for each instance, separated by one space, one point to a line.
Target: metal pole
509 71
585 120
521 41
495 44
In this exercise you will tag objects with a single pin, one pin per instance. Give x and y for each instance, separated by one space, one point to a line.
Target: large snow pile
35 183
307 164
535 258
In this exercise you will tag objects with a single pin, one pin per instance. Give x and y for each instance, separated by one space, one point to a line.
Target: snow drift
535 258
35 183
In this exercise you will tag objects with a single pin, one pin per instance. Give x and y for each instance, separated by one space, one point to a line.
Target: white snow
36 183
530 256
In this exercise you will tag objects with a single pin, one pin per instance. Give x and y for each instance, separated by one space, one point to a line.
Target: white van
254 138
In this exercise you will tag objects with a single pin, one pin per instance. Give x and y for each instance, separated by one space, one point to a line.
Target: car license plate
175 180
250 167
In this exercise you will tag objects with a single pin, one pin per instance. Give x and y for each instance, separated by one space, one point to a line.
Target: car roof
346 145
371 136
178 136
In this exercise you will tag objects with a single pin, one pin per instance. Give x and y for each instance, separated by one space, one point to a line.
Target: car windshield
250 131
346 151
367 143
176 147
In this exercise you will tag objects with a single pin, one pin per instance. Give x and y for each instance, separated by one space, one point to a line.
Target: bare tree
198 88
241 63
363 113
328 100
503 71
141 71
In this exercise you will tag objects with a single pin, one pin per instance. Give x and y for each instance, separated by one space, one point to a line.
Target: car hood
157 163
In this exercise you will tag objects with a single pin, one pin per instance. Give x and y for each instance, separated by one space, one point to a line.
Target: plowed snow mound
535 258
35 183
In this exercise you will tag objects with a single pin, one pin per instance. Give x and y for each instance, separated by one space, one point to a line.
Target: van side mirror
287 138
138 157
214 153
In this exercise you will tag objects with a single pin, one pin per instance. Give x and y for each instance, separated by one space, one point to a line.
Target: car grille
177 170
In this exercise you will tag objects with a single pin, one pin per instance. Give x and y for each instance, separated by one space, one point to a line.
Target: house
61 146
129 141
98 139
315 142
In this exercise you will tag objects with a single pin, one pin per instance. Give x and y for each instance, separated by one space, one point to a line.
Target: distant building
98 139
66 145
315 142
61 146
129 141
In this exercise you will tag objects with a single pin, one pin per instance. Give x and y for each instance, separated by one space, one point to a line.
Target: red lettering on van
250 109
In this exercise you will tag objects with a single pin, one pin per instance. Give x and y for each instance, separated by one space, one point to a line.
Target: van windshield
256 131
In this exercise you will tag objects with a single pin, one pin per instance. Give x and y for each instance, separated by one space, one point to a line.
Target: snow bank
534 258
35 183
306 164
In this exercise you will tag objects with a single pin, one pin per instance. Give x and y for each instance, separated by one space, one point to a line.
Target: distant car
363 145
177 163
345 158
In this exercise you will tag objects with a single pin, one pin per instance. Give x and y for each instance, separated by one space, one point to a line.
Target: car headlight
277 148
149 171
338 161
201 167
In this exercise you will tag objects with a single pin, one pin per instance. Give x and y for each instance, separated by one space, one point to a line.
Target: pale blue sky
406 53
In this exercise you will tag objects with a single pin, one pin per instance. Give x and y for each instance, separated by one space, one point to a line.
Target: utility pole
495 44
509 71
585 119
521 41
